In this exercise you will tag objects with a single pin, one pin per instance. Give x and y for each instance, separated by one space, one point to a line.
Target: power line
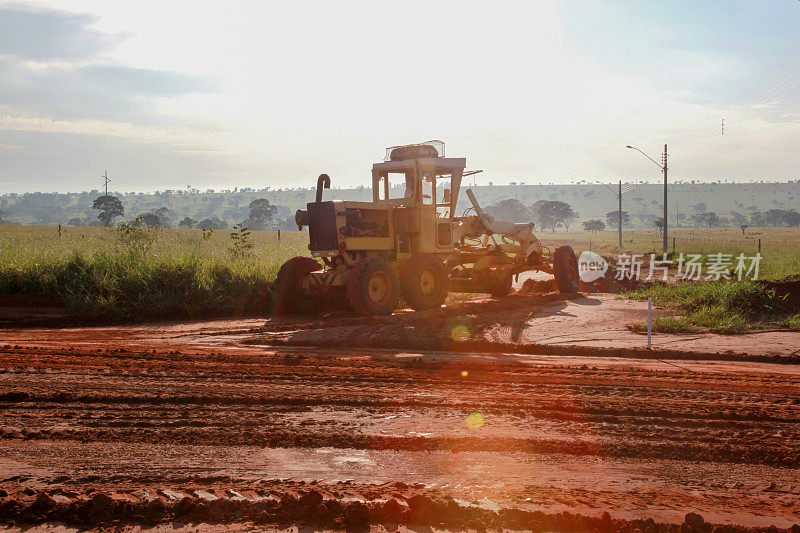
698 142
777 88
771 92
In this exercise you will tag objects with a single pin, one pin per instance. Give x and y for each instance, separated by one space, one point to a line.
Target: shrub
720 307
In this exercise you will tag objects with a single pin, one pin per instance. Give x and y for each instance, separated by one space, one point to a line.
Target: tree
109 207
791 218
164 216
211 223
738 218
612 219
757 219
659 223
75 222
149 220
261 212
774 217
553 213
710 219
594 225
187 223
510 210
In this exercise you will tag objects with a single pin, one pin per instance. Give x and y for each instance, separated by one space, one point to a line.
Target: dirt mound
788 289
537 286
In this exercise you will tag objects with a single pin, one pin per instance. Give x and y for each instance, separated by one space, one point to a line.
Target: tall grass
104 274
726 308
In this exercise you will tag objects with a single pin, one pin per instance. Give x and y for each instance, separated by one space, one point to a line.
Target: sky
177 94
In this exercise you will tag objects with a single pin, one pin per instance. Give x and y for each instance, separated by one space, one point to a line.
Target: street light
664 170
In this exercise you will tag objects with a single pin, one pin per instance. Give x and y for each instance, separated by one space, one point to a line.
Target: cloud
108 92
51 35
52 68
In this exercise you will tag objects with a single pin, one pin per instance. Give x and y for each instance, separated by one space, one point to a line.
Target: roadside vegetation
717 307
725 307
132 272
138 273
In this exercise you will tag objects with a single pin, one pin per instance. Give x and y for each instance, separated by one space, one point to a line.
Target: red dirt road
194 423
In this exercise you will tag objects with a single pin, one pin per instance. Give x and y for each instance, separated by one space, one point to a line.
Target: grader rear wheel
287 295
373 287
424 282
565 270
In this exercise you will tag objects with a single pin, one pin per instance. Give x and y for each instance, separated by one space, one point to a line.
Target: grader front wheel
565 270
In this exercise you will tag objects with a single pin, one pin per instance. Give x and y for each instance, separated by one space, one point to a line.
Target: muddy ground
534 412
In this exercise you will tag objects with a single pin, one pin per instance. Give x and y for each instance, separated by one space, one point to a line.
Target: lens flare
475 420
460 333
464 373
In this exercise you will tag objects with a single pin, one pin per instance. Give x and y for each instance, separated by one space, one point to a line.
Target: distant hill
588 200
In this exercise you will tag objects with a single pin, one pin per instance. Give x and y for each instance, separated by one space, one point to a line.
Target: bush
719 307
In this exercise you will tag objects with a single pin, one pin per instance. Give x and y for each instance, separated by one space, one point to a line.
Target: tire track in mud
383 402
625 413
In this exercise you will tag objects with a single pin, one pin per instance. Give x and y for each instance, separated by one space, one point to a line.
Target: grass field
108 274
780 247
105 273
726 308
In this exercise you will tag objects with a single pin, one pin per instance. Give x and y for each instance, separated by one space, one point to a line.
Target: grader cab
408 242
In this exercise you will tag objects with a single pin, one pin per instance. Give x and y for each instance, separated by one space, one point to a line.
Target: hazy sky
224 94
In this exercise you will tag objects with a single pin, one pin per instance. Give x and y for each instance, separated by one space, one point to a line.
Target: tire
424 282
373 287
287 298
415 151
565 270
503 286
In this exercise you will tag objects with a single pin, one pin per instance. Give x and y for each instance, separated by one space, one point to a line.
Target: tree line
262 216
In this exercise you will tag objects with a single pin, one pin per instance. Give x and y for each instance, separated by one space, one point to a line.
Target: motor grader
409 243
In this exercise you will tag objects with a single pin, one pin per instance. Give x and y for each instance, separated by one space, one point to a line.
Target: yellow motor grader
408 242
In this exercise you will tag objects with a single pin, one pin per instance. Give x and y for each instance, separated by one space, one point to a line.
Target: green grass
780 247
667 324
719 307
105 274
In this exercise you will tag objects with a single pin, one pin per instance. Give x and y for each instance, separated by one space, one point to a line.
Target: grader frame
411 246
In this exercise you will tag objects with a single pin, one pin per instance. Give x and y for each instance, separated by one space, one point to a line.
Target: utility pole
663 167
105 177
665 200
618 194
619 213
